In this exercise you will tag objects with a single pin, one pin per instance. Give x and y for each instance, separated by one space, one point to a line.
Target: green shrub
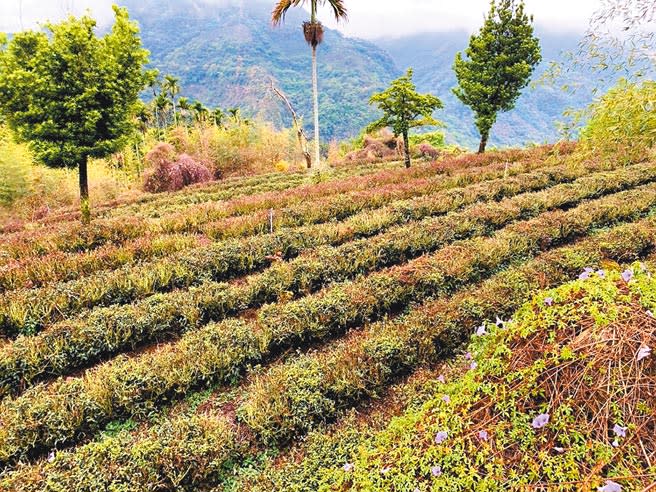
30 310
622 124
436 139
66 411
348 371
249 215
182 454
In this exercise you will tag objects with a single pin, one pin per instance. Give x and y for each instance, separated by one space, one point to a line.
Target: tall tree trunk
406 148
315 96
85 208
175 113
157 122
483 144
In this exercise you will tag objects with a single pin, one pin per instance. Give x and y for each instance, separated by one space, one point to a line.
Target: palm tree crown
281 8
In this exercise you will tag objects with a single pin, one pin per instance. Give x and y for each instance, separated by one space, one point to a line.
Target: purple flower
540 421
588 270
499 322
601 273
441 379
348 467
436 471
51 456
650 314
468 356
480 331
483 435
440 437
473 365
619 430
386 470
548 301
559 450
584 276
615 443
627 275
643 353
446 399
610 486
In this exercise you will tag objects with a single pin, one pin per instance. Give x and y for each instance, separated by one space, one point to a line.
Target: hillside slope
184 340
226 53
561 397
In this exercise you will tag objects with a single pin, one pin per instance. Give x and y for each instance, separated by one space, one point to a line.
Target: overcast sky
367 18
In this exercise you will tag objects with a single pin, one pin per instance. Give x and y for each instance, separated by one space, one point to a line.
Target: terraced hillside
193 341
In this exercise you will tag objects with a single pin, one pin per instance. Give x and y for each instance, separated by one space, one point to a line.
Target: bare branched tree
298 125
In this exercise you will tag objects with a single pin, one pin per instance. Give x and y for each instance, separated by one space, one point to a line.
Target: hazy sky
368 18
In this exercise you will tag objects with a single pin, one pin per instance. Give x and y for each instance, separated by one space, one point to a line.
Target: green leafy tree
313 31
500 61
71 94
404 108
218 116
162 103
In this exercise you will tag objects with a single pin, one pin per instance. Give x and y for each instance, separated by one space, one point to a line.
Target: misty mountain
226 54
539 108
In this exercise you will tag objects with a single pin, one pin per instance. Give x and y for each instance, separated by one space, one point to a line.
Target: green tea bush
46 416
56 352
360 363
224 219
323 460
29 310
184 454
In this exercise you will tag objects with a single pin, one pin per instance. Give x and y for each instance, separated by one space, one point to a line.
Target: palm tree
200 111
161 103
218 115
185 106
171 86
313 31
155 84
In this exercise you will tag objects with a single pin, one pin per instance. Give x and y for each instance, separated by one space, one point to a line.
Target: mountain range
227 54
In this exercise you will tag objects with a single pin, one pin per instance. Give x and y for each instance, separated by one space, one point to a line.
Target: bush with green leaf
622 124
68 344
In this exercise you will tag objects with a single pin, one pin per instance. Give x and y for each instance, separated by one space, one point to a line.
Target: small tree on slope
403 108
71 94
500 61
